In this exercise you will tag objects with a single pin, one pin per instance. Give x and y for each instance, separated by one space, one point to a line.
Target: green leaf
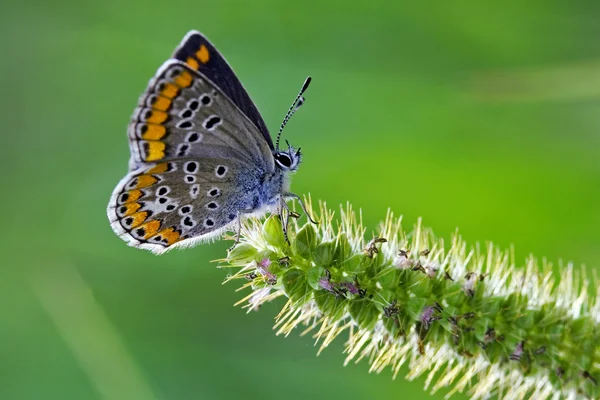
295 285
444 323
273 232
423 287
525 321
387 296
343 250
242 253
305 241
389 278
495 351
353 265
414 308
330 305
314 275
364 313
481 327
324 253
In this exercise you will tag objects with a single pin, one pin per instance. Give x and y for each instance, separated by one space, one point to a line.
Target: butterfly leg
284 217
238 231
299 199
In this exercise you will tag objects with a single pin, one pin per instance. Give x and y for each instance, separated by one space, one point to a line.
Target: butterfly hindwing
196 51
177 203
182 114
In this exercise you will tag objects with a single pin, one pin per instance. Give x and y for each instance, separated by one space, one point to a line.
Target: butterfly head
288 160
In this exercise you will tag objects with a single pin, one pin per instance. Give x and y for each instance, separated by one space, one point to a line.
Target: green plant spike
466 317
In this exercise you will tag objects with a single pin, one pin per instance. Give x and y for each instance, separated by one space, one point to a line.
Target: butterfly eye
284 160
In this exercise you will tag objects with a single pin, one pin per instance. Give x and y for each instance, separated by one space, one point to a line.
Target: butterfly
201 156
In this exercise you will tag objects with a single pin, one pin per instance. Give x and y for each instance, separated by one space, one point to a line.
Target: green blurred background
482 117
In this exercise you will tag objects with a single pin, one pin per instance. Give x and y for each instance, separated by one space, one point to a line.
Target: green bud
272 232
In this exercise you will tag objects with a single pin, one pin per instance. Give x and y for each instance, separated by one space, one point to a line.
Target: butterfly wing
183 114
178 203
197 157
196 51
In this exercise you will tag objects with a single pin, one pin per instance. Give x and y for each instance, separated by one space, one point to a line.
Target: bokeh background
477 116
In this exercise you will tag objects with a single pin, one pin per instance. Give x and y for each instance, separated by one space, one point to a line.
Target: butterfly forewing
196 51
183 114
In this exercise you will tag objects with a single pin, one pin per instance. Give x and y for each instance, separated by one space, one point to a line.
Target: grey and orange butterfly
201 155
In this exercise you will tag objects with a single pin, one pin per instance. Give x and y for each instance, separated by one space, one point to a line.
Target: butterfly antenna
294 107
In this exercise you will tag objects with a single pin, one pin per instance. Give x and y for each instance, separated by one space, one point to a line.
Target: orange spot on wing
138 219
156 151
154 132
157 117
192 62
159 168
203 55
184 79
150 227
170 90
170 234
131 208
145 181
162 103
133 195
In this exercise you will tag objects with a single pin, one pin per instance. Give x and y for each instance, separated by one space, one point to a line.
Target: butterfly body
201 156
